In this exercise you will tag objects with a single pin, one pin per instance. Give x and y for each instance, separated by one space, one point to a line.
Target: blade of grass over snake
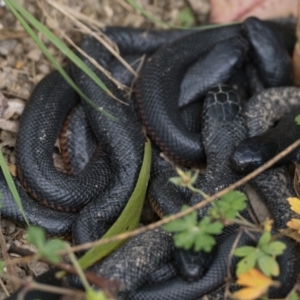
158 21
55 63
12 186
17 10
129 218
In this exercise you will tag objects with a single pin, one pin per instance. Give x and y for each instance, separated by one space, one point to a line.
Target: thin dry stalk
4 288
10 268
199 205
91 59
99 36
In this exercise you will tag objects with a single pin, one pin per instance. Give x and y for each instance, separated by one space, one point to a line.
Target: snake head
222 103
251 154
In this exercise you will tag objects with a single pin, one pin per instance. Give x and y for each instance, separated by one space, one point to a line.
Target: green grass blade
158 21
16 8
11 186
59 44
129 218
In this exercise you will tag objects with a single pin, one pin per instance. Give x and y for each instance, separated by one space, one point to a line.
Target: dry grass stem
199 205
99 36
91 59
10 268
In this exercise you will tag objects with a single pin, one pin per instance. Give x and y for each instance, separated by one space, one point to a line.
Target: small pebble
37 268
3 104
7 46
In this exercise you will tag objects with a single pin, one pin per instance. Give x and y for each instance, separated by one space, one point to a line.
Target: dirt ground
22 66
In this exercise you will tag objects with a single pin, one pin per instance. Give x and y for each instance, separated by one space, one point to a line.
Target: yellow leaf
295 204
294 224
256 284
247 294
268 225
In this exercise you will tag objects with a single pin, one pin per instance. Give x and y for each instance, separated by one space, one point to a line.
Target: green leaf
47 250
95 295
235 197
36 236
274 248
246 263
294 296
205 243
49 255
50 249
129 218
214 228
268 265
176 180
244 251
264 239
186 17
228 205
2 265
297 119
184 240
177 225
55 245
183 223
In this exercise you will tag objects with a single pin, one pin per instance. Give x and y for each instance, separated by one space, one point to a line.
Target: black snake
159 113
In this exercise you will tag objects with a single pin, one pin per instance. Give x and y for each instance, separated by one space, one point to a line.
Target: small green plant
200 235
189 232
257 262
46 249
262 256
227 208
186 17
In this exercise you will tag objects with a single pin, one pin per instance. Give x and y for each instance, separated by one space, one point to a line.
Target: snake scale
223 126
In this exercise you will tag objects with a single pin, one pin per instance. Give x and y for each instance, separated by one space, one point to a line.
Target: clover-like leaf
205 243
50 249
264 239
244 251
213 228
36 236
268 265
184 240
184 223
247 263
274 248
228 205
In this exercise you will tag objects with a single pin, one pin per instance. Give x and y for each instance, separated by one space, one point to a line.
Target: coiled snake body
124 140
